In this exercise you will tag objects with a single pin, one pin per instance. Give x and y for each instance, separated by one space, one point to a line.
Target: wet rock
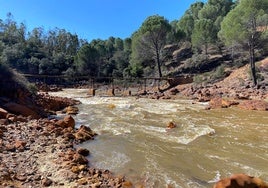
127 184
79 159
171 125
241 180
83 151
84 133
52 103
254 105
71 110
61 123
69 120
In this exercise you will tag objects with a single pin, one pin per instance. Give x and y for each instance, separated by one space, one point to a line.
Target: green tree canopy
242 26
151 38
203 33
186 23
85 60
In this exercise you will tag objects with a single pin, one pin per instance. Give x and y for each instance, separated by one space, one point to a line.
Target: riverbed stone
71 110
79 159
84 133
69 120
219 102
46 182
260 105
83 151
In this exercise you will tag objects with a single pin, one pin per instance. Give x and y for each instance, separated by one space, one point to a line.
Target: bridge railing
112 85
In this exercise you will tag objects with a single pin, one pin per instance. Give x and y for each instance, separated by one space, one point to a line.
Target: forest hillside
208 42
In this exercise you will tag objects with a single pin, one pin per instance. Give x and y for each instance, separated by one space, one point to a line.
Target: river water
206 144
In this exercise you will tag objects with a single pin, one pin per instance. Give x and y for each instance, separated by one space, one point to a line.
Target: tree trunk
158 63
252 64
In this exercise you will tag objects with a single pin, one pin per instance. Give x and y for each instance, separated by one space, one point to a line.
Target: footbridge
111 86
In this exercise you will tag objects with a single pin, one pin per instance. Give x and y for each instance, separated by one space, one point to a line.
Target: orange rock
171 125
20 145
79 159
127 184
69 120
254 105
71 110
111 106
241 181
84 133
77 169
219 102
61 123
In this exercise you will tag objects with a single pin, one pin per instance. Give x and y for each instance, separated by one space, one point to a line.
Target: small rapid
206 144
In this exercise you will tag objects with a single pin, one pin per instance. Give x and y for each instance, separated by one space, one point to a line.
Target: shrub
11 81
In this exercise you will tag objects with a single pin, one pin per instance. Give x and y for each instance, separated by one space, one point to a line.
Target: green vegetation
11 81
246 25
222 28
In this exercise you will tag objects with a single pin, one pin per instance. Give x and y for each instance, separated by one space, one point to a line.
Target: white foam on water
114 161
114 129
216 178
183 137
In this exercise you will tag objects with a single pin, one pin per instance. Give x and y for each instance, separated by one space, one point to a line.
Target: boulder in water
171 125
240 181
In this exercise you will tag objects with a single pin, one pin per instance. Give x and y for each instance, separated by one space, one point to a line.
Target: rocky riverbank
45 152
42 153
236 89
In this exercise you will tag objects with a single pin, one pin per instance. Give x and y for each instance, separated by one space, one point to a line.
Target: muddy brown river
206 144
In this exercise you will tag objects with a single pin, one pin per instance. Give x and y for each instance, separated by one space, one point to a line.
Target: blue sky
92 19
